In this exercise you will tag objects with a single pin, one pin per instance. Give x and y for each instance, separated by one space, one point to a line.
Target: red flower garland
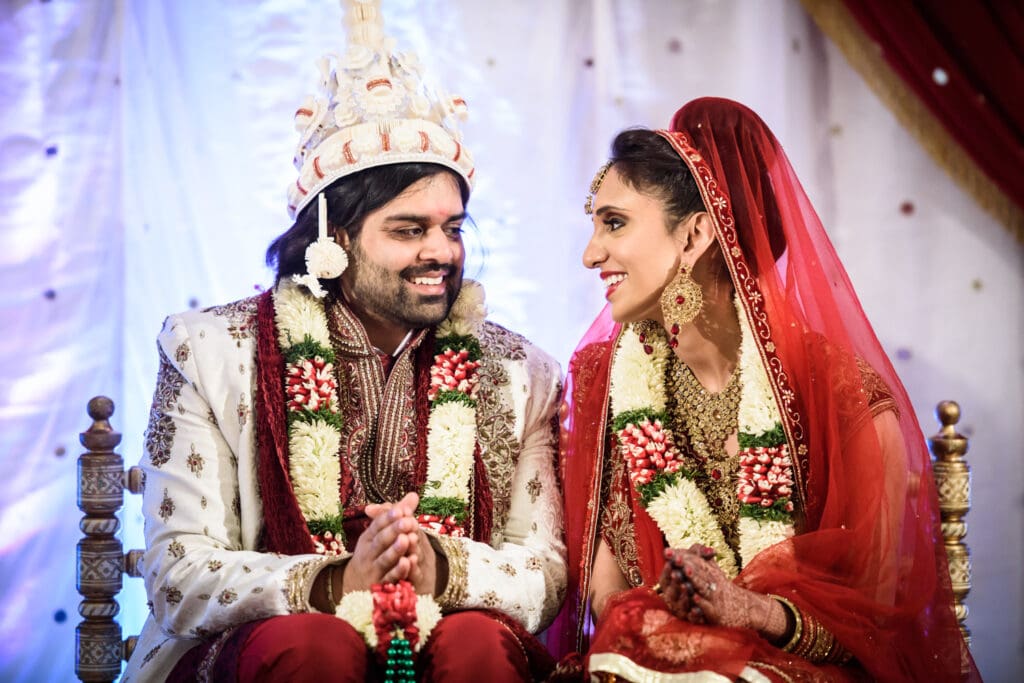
649 450
765 476
444 526
394 614
452 371
310 385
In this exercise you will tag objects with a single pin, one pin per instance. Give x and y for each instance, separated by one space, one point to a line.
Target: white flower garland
357 609
451 426
762 441
637 396
674 501
314 418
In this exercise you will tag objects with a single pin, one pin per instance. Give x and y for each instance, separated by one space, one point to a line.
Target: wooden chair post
99 649
953 483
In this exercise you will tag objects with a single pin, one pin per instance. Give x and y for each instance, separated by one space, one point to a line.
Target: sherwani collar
348 334
379 440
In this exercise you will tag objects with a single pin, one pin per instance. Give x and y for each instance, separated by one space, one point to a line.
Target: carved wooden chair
102 479
953 483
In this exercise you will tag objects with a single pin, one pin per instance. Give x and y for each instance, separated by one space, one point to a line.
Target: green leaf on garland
773 437
660 482
308 416
458 342
333 524
775 513
636 417
443 507
307 348
453 396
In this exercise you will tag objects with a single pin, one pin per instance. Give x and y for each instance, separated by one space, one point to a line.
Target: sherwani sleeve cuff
454 595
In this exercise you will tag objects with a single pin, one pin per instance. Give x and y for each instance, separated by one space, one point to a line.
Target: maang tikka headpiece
595 185
374 109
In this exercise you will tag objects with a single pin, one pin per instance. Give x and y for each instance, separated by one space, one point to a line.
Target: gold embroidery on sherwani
534 487
161 429
241 317
167 506
182 353
396 429
298 582
149 655
495 420
458 573
379 417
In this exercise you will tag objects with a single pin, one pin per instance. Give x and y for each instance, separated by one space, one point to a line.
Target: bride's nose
593 254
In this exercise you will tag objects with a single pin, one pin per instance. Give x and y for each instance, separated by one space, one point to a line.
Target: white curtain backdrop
145 148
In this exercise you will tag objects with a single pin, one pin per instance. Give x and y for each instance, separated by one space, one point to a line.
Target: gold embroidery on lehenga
878 393
778 672
617 519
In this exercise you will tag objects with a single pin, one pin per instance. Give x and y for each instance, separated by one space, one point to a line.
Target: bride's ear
695 234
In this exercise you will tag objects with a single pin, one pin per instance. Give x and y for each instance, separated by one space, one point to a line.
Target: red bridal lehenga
866 565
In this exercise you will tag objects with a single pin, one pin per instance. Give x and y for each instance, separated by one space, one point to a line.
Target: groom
318 454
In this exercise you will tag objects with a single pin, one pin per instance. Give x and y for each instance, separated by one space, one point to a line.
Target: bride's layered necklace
681 492
705 421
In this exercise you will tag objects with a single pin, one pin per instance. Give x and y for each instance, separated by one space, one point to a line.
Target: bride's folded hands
696 589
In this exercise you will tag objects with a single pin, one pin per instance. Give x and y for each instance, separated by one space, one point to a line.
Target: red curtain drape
965 61
953 74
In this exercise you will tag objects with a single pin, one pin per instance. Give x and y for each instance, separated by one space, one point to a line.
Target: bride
747 491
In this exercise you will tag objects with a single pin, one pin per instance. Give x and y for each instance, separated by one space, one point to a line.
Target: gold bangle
798 622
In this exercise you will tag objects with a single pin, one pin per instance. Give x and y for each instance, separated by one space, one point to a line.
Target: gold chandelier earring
681 301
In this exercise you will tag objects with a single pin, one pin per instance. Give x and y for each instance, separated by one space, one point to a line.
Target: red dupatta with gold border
868 561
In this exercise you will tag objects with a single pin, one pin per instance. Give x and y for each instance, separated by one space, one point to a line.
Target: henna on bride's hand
675 592
696 615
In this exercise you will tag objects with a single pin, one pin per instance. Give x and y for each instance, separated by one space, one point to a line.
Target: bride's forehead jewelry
374 108
595 185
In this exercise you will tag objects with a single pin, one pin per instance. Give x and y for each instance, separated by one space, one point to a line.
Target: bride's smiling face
633 247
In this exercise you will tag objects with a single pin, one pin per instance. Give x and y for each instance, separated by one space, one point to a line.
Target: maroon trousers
464 646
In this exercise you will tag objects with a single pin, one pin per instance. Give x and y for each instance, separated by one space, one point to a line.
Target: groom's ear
341 237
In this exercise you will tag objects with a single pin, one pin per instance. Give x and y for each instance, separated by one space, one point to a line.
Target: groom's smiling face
408 257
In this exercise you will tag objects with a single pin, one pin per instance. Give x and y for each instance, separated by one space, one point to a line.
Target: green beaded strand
399 662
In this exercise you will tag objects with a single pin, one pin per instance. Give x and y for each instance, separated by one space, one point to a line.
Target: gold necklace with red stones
709 419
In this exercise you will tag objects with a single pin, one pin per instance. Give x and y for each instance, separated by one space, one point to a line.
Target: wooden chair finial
953 485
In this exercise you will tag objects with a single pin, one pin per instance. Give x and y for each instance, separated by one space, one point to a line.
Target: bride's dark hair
648 164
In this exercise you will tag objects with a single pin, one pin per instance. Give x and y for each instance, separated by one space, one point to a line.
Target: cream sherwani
204 573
